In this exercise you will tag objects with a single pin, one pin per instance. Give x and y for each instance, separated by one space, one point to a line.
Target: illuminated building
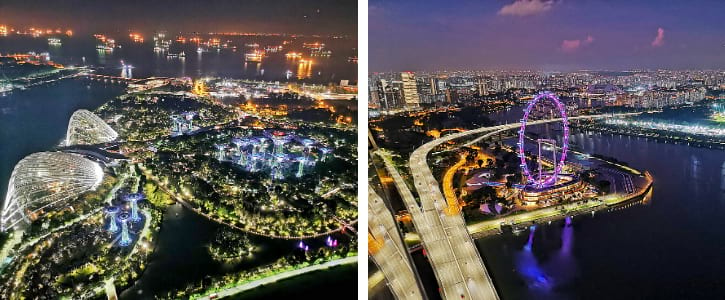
199 88
409 89
85 128
42 180
565 185
126 70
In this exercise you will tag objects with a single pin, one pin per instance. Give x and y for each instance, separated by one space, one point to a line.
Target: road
466 276
455 260
388 251
454 275
421 169
274 278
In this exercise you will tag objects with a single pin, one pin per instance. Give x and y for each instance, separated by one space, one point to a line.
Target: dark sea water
181 258
671 248
36 119
81 51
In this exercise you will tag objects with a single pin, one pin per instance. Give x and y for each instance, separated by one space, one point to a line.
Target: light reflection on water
542 275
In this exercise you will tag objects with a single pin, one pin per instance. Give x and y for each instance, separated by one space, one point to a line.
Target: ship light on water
293 55
254 56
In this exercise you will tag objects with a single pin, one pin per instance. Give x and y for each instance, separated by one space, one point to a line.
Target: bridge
456 262
109 78
386 247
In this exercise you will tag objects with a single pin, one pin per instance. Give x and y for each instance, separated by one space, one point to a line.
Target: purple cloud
570 46
660 38
522 8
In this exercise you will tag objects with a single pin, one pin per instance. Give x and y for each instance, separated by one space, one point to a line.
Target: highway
456 262
469 278
439 241
389 252
274 278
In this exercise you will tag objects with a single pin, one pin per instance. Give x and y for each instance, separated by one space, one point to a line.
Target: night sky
271 16
544 35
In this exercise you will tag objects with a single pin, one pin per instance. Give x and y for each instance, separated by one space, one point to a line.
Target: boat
293 55
321 53
254 56
54 42
273 49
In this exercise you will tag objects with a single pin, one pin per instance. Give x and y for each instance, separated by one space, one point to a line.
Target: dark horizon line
558 71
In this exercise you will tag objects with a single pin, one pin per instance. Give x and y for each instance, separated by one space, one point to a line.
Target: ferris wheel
540 180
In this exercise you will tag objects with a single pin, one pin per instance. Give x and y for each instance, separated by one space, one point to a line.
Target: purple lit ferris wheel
541 181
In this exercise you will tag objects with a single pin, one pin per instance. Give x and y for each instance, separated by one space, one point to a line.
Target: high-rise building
410 90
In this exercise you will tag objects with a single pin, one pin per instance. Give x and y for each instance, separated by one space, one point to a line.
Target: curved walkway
274 278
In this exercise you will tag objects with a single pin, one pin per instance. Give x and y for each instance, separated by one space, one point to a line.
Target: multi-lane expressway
456 262
458 277
387 249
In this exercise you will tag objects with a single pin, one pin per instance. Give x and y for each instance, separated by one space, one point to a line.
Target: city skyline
544 36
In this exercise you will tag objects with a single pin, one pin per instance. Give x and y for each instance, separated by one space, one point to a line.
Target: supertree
189 116
300 168
177 125
133 199
221 153
112 212
307 143
240 144
125 237
263 147
325 151
277 167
